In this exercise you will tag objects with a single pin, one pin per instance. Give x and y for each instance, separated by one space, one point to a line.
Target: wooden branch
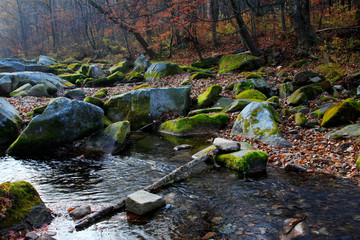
113 209
337 28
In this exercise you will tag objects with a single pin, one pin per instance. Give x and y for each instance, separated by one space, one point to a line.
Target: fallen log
113 209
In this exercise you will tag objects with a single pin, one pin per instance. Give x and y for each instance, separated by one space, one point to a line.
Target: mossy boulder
106 81
141 64
26 212
101 93
358 163
134 76
300 119
206 63
209 97
123 67
350 131
63 121
251 94
300 63
78 94
160 70
204 110
84 69
198 124
143 106
259 120
305 77
341 113
274 102
303 95
257 82
333 72
74 66
112 140
238 105
39 90
72 77
36 111
191 69
96 72
240 63
202 75
21 91
286 89
95 101
10 122
223 102
321 111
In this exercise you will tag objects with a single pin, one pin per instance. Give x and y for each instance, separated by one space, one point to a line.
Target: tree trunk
22 27
214 9
283 22
300 17
243 31
358 12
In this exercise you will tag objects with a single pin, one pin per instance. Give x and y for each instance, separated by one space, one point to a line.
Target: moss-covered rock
112 140
206 63
95 101
209 97
328 99
202 75
286 89
321 111
257 82
39 90
74 66
274 102
141 64
198 124
251 94
303 95
10 122
349 131
300 119
204 110
72 77
142 86
240 63
21 91
259 120
358 163
106 81
331 71
78 94
84 69
300 63
160 70
305 77
341 113
24 208
63 121
134 76
101 93
36 111
191 69
143 106
238 105
121 67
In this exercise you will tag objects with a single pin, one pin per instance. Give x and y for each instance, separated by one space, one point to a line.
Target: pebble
182 147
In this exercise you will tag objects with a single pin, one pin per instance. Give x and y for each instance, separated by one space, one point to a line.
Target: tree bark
214 9
243 31
300 17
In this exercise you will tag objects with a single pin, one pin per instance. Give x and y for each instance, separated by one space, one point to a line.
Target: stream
208 199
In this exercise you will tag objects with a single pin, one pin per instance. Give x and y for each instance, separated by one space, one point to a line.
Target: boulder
46 60
26 212
319 113
141 64
121 67
341 113
102 93
134 76
306 77
258 83
50 80
223 102
72 77
209 97
238 105
5 86
286 89
142 106
94 100
303 95
198 124
106 81
63 121
240 63
96 72
12 65
201 75
39 90
300 119
21 91
78 94
251 94
259 120
112 140
226 146
10 122
160 70
350 131
142 202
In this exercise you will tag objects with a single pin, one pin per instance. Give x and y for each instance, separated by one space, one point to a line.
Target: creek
208 199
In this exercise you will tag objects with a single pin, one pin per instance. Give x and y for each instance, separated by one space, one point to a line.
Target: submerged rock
80 212
63 121
10 122
27 210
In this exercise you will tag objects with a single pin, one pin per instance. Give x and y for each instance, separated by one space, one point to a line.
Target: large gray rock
306 77
50 80
19 65
141 64
143 106
96 72
46 60
5 86
350 131
142 202
39 90
10 122
78 94
258 83
259 120
160 70
63 121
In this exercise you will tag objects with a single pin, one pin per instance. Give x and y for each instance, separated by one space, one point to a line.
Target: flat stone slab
142 202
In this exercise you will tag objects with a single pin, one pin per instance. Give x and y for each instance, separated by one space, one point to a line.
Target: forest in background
178 30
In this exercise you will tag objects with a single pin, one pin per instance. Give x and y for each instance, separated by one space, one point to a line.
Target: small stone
80 212
182 147
31 236
225 145
294 168
216 219
142 202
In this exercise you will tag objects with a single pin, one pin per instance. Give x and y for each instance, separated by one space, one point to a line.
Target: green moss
253 75
300 119
121 67
119 130
244 161
101 93
74 66
251 94
275 100
103 82
201 75
358 163
300 63
152 73
23 197
331 71
95 101
116 76
190 69
107 121
206 63
36 111
72 77
244 62
341 113
205 110
303 95
196 124
327 99
135 76
84 69
142 86
209 97
285 111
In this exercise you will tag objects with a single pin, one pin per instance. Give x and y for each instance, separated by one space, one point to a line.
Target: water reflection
210 200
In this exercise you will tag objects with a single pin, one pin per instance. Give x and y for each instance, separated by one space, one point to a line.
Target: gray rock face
96 72
5 86
50 80
143 106
63 121
142 202
160 70
259 120
10 122
46 60
226 146
141 64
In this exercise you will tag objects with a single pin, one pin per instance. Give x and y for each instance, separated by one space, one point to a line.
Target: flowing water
208 200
